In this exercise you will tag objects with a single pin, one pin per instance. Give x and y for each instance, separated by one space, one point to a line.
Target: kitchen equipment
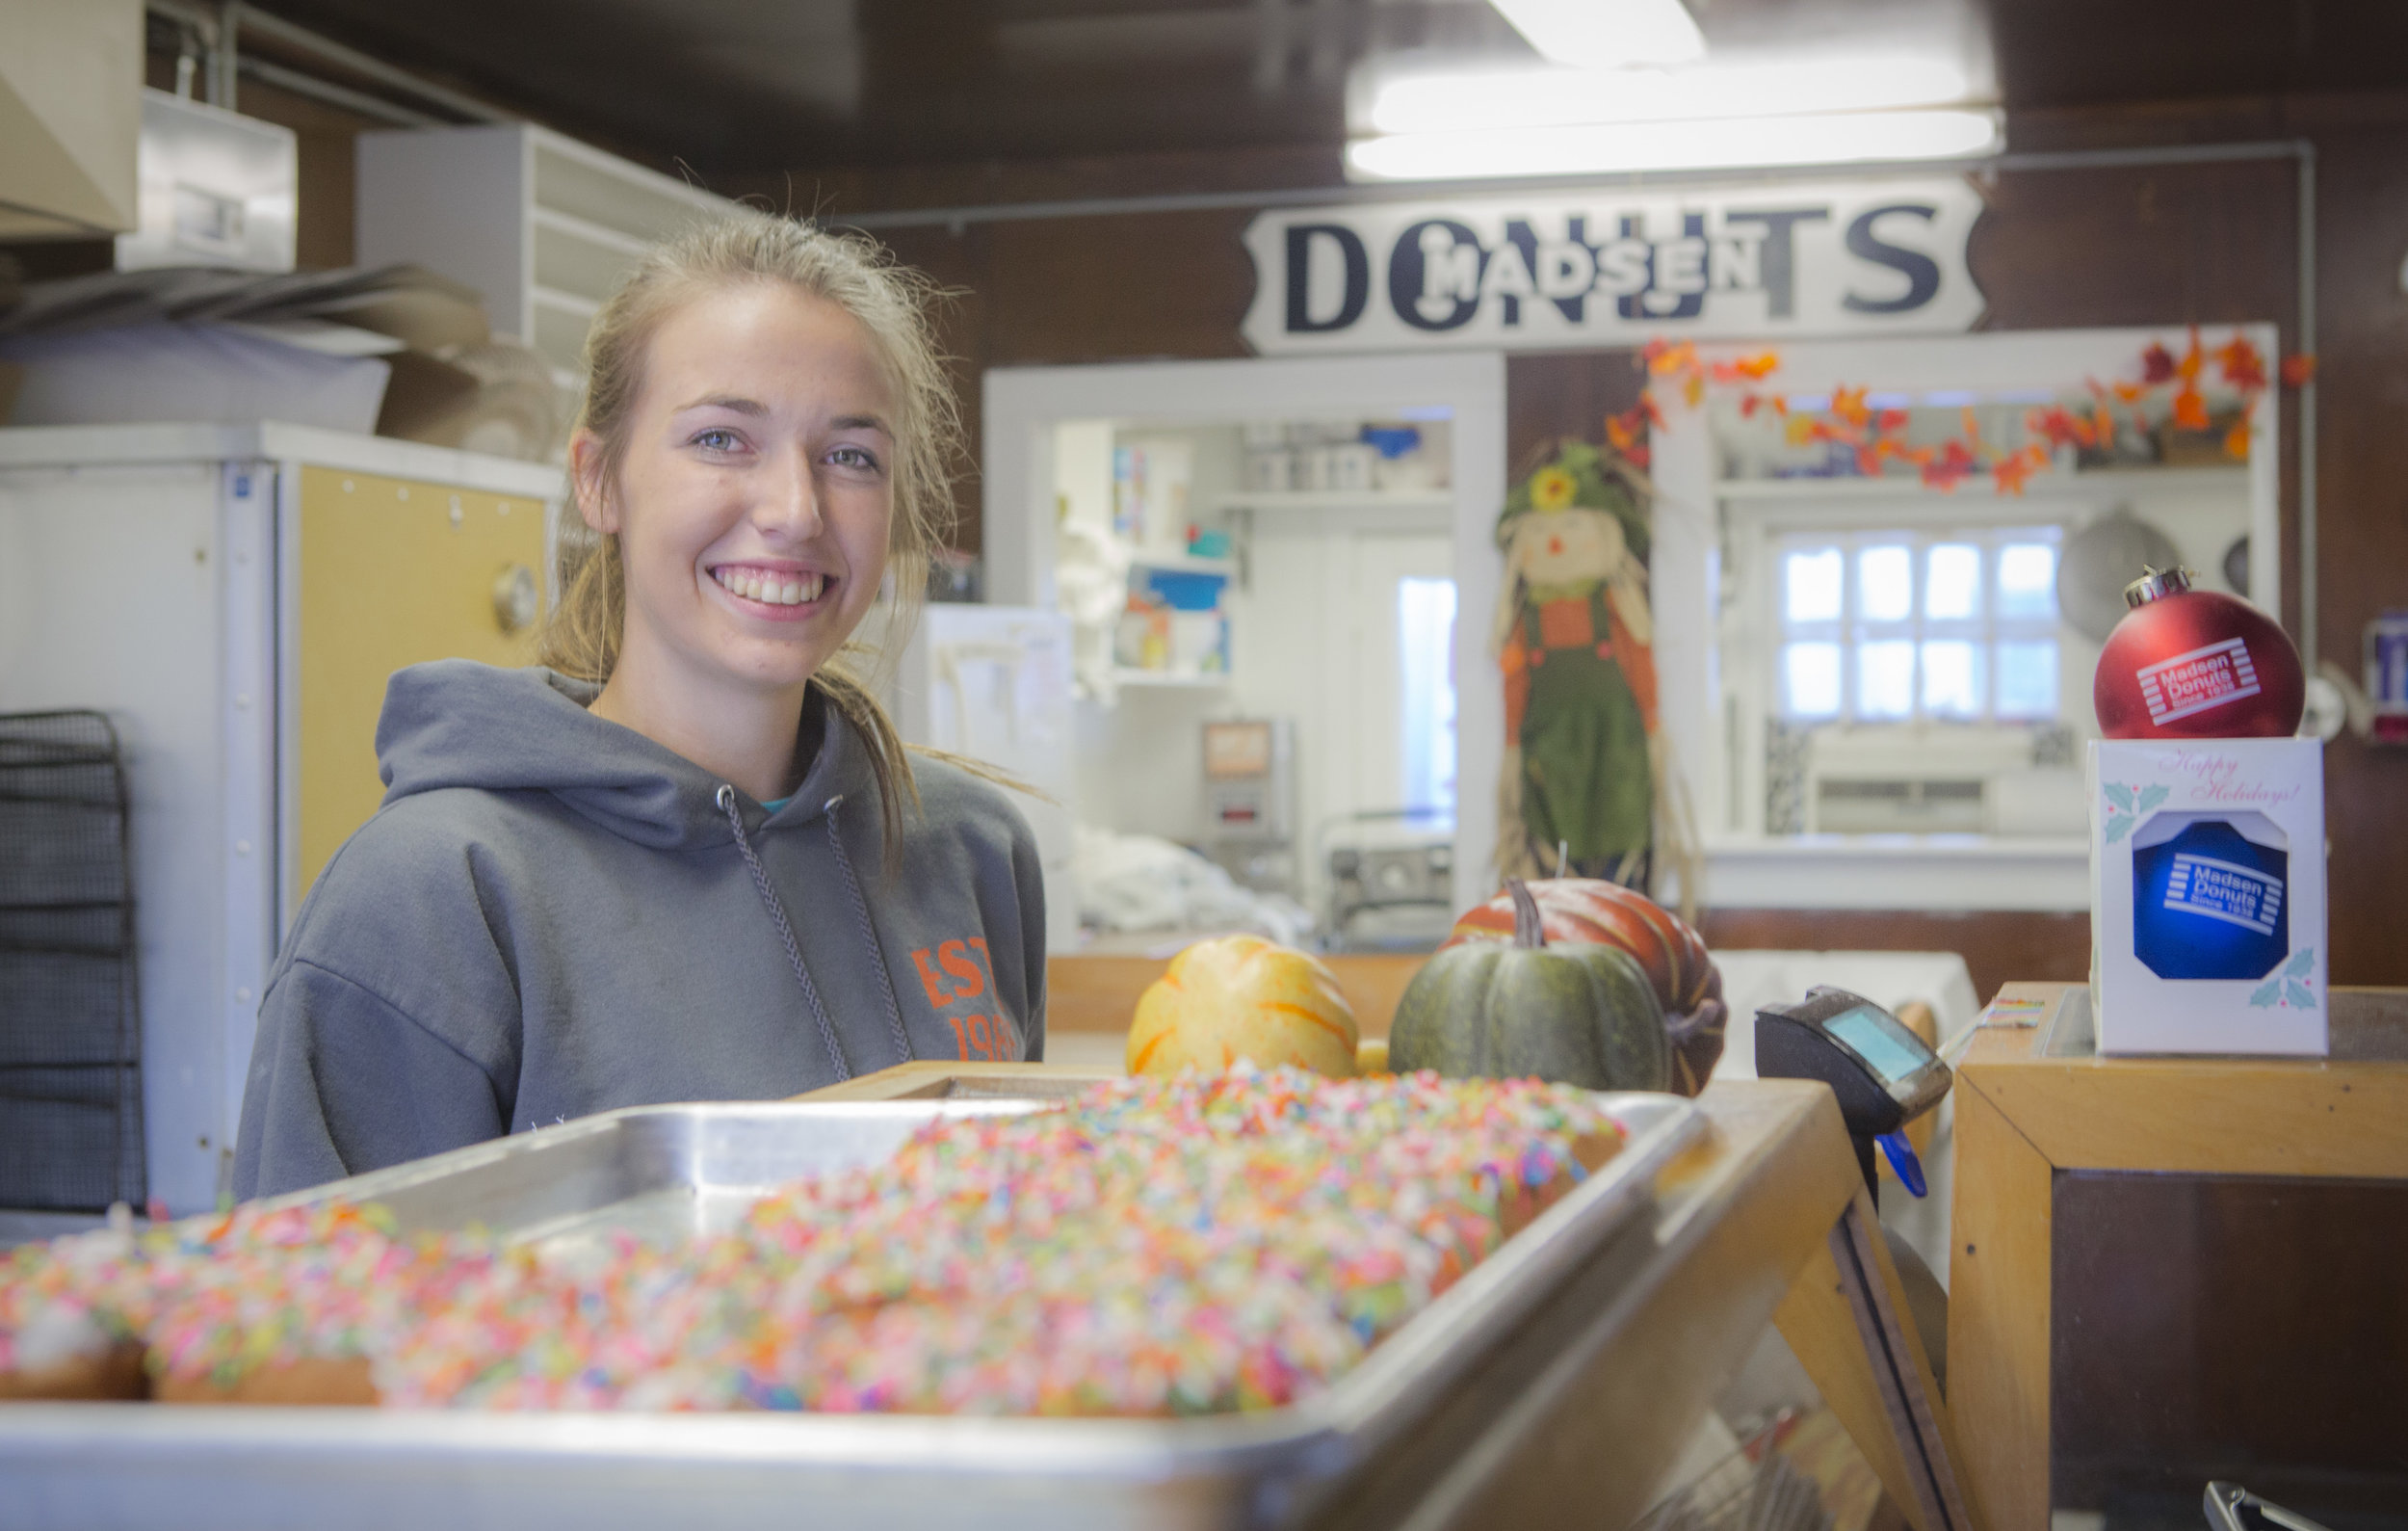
1249 800
72 91
1392 887
676 1172
2195 664
1883 1074
217 189
2099 560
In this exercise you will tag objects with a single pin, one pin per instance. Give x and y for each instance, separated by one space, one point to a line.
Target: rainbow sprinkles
1198 1245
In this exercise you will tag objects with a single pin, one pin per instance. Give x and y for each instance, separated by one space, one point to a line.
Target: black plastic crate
70 1024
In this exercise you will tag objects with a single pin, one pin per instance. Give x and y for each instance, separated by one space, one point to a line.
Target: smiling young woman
686 857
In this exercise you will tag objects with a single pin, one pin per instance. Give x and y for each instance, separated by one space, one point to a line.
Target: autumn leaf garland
1877 437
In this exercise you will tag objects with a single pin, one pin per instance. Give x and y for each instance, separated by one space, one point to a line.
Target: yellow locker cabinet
392 572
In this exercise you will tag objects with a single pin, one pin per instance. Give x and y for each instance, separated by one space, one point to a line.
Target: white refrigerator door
993 683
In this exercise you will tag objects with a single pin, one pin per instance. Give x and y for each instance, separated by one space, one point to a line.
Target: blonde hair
890 303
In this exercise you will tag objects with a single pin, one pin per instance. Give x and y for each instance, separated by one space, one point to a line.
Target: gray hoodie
552 915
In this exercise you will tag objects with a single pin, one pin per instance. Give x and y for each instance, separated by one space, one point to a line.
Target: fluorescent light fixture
1599 34
1834 138
1542 97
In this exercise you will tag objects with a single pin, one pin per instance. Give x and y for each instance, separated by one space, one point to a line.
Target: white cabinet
542 225
234 599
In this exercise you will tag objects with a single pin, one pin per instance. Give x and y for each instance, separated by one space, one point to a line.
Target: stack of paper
395 350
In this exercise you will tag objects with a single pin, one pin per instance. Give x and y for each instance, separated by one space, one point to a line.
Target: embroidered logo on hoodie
977 1033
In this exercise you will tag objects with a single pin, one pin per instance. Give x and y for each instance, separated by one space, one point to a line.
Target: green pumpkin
1574 1013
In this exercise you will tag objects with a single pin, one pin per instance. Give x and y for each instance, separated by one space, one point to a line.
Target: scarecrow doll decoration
1575 639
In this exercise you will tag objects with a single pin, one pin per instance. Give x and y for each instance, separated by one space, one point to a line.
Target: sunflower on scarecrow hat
1575 639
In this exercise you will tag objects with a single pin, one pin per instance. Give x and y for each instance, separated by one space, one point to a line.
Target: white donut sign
1606 268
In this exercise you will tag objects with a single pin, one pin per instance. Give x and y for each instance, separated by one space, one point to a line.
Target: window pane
2027 679
2026 582
1953 581
1810 673
1886 584
1885 680
1952 679
1811 586
1425 648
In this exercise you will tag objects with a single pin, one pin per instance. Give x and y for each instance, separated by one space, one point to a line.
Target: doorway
1351 611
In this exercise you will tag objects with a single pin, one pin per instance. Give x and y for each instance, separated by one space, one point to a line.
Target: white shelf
1185 563
1336 499
599 187
1173 679
55 447
542 227
591 234
1899 871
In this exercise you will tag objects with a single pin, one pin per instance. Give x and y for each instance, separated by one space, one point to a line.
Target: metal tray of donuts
1378 1447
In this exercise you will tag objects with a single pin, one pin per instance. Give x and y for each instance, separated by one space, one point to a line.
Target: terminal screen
1874 1039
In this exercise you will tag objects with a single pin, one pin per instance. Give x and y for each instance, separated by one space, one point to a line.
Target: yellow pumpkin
1242 996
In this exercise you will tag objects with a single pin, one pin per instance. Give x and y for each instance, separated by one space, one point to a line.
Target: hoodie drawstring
868 932
726 800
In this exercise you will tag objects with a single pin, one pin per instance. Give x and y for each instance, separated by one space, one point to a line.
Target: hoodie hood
458 723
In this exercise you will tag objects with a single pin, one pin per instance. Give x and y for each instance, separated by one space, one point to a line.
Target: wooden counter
1767 1219
2038 1113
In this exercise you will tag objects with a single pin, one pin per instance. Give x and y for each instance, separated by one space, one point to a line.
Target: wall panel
2207 243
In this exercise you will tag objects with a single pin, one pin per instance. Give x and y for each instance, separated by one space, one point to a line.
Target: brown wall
2210 243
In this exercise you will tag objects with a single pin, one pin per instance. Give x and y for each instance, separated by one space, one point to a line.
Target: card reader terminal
1882 1074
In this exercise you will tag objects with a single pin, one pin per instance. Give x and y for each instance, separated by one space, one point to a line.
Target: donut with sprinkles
1202 1244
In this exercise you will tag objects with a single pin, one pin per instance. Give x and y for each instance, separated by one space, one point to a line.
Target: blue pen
1910 1169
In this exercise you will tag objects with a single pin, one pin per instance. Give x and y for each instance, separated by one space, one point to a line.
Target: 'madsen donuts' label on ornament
2195 681
2210 895
2219 890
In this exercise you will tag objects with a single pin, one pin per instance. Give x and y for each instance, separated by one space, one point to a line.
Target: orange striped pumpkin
1674 957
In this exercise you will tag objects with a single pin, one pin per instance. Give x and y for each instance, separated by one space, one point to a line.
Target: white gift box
2207 895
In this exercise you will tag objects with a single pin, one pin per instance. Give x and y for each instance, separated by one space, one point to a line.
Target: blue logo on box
2211 896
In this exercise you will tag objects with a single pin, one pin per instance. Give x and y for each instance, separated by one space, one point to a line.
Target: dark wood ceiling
744 89
2087 53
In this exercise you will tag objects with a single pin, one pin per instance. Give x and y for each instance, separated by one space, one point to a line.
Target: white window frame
1852 628
1714 711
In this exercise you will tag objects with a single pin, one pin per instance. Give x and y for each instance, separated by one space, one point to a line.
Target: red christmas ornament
2192 664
